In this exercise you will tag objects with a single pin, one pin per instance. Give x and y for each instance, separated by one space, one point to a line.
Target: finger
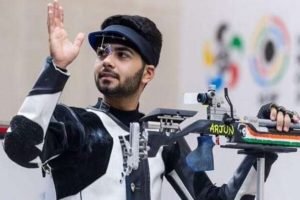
296 118
56 13
79 40
273 113
61 15
279 121
287 123
50 16
293 115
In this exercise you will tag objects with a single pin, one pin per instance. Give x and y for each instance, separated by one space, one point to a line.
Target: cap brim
123 33
95 38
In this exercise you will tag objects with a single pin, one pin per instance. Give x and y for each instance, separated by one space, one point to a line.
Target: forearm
27 129
42 99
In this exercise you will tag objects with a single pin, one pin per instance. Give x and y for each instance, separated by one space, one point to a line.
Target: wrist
58 67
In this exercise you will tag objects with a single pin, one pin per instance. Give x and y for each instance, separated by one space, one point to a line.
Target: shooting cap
127 36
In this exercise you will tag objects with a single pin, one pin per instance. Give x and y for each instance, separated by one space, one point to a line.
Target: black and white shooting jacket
80 154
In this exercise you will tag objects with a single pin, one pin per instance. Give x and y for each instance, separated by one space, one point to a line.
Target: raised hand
62 50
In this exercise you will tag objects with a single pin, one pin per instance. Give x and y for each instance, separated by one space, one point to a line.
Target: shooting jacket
81 157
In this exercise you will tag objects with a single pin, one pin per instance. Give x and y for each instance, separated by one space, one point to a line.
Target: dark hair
142 25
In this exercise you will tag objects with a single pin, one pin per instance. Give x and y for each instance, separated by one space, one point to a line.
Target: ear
149 73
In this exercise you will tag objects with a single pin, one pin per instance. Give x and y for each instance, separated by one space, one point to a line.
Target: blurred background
251 47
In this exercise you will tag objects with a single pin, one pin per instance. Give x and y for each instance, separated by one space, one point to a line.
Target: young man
79 149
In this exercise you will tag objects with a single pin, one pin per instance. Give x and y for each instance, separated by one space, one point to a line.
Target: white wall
200 20
186 26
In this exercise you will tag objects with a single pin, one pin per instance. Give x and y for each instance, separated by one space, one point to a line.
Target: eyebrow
123 48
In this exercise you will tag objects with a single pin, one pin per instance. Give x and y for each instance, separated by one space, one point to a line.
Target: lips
106 74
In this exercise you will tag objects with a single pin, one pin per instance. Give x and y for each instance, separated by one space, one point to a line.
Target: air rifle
163 127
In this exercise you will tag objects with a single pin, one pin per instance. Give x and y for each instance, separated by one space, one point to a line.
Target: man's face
118 71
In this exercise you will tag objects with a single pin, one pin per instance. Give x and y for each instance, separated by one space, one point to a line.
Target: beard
128 87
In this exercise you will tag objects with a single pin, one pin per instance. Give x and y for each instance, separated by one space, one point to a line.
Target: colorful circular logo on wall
270 51
221 58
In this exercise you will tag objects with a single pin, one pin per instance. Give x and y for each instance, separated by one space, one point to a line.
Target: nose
108 61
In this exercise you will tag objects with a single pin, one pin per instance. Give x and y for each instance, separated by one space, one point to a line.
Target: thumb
78 40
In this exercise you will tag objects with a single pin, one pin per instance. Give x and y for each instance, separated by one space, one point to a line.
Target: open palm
62 50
